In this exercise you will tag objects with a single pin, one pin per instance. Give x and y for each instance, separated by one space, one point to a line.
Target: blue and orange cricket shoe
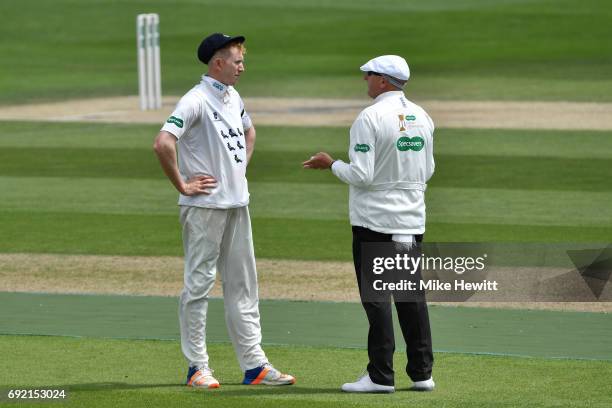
267 375
201 378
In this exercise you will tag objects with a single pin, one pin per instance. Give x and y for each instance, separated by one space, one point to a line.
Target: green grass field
82 188
468 49
139 373
124 350
97 189
102 186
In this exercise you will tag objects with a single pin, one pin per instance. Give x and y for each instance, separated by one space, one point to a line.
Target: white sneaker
427 385
201 378
365 384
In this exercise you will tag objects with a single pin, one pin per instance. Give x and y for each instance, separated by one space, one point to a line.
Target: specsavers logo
363 148
176 121
406 143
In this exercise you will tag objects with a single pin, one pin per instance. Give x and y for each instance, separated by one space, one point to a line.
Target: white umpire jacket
391 160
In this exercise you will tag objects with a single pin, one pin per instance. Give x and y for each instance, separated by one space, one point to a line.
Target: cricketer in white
215 139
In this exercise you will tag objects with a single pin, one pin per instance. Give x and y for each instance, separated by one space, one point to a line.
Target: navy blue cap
214 43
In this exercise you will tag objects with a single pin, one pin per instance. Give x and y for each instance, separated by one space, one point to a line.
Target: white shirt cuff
336 164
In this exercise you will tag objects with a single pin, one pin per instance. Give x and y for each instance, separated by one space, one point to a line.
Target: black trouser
413 318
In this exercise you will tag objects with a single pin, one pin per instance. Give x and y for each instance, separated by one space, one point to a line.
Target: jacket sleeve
362 152
431 164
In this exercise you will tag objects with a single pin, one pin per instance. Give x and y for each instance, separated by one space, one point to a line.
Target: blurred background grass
469 49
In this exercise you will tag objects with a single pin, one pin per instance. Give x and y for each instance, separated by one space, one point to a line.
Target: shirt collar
216 87
388 94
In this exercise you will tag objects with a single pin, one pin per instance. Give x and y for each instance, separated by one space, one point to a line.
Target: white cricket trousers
220 240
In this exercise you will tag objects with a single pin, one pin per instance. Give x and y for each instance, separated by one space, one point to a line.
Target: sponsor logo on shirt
216 116
363 148
403 119
175 121
406 143
218 86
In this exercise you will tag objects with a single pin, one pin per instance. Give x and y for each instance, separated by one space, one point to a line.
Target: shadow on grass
239 389
110 386
229 389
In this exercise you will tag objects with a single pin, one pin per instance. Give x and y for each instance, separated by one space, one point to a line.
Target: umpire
391 159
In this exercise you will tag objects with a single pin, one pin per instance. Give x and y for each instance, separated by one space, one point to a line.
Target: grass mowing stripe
283 238
77 135
469 330
302 201
140 373
138 163
464 142
518 207
79 162
525 143
522 173
475 171
494 142
103 234
88 195
459 232
134 196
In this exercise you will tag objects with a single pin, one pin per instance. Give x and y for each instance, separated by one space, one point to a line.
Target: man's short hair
223 52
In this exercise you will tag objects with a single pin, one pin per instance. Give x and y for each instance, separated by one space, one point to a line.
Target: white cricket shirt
391 160
209 123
